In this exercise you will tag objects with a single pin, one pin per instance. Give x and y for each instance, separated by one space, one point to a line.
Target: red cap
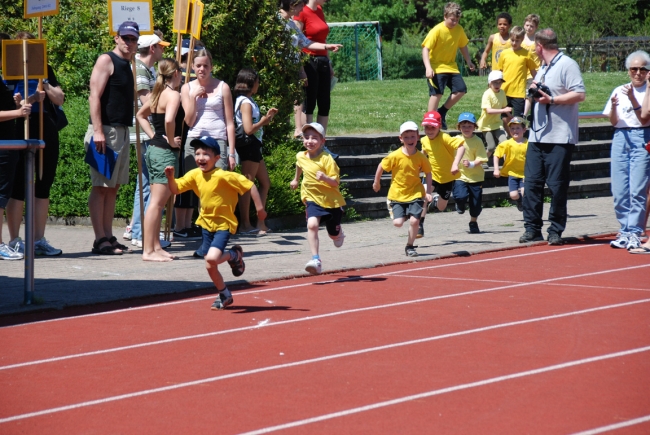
432 118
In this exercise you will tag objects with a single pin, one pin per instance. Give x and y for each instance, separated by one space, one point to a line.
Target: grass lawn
381 106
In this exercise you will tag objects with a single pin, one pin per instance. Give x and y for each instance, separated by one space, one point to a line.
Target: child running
494 107
514 153
319 192
405 196
469 187
218 191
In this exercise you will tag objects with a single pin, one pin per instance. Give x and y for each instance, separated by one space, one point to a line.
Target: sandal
104 250
116 245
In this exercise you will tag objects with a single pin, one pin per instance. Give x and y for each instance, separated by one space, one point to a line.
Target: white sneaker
171 236
137 243
313 266
42 247
620 242
338 240
6 253
633 242
127 233
18 245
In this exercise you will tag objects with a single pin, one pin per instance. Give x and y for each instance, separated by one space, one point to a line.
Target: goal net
360 56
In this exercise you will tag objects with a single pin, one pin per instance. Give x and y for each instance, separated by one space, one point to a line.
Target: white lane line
329 281
316 360
615 426
304 319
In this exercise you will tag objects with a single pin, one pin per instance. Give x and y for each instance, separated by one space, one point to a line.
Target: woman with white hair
630 162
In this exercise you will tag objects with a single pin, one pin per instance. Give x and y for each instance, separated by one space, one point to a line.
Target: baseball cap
432 118
467 116
316 126
130 28
408 126
149 40
517 120
495 75
185 46
207 141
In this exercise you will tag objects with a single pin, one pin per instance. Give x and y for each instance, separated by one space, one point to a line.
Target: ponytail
166 69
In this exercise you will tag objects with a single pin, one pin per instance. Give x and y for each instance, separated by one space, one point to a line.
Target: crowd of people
201 130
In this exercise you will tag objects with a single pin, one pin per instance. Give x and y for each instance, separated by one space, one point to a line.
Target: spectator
645 110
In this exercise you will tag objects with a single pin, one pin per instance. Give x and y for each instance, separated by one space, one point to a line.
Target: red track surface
536 340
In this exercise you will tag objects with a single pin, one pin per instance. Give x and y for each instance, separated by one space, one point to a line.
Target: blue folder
102 163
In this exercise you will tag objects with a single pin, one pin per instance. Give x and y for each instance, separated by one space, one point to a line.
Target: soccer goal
360 57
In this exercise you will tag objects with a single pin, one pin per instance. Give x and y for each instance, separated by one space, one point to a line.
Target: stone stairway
360 155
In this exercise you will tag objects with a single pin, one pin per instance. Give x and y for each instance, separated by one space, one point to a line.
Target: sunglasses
635 70
129 39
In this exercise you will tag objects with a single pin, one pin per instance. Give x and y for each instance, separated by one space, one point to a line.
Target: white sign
125 10
40 8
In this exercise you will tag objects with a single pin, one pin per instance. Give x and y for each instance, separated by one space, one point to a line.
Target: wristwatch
231 155
552 100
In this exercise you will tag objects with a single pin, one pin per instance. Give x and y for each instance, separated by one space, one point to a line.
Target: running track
535 340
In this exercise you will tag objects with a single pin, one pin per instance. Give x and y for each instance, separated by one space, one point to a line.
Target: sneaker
6 253
620 242
181 234
443 121
313 266
165 244
237 264
223 300
338 240
42 247
420 233
198 254
17 245
530 236
520 203
127 233
410 251
137 243
433 205
195 232
555 239
460 208
171 236
473 228
633 242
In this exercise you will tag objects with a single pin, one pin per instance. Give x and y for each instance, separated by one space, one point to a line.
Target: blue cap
130 28
467 116
207 141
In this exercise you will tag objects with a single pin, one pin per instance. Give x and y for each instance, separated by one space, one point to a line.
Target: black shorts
331 217
453 81
517 105
251 152
444 189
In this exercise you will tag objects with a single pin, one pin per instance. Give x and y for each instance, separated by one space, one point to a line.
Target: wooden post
138 151
40 108
26 84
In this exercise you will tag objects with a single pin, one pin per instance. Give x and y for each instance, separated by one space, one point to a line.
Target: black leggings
50 158
319 82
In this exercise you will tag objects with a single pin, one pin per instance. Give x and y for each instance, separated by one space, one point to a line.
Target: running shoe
473 228
520 203
338 240
420 233
6 253
530 236
433 205
460 208
313 266
620 242
18 245
42 247
555 239
633 242
223 300
410 251
127 233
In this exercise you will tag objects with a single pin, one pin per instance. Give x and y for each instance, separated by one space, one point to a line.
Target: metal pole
356 48
30 155
380 63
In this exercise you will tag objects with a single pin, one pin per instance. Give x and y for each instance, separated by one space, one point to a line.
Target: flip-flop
640 250
250 232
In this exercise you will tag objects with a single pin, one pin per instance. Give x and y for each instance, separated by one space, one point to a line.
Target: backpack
241 138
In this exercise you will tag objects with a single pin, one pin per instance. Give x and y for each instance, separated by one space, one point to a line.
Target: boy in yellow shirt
219 192
469 187
514 152
439 57
319 191
516 63
494 108
497 42
531 23
406 192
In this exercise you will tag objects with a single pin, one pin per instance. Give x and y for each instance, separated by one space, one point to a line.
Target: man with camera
558 88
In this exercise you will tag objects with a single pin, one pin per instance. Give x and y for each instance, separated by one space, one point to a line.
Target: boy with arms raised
514 153
406 192
218 191
439 56
319 191
497 42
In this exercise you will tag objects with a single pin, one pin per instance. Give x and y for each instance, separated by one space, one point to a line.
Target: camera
533 91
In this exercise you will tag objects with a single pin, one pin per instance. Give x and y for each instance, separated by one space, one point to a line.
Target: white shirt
626 116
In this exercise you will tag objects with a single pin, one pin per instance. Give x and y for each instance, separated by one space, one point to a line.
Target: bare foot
164 253
155 257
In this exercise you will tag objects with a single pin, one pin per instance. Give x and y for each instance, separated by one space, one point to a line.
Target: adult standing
111 115
53 96
553 136
311 22
630 162
645 111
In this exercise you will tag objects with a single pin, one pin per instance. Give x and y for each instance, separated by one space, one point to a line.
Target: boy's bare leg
434 101
453 99
213 258
312 234
414 224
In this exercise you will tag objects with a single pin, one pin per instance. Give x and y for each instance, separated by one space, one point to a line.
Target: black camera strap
542 80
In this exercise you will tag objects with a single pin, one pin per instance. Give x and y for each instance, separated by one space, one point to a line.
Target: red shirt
314 27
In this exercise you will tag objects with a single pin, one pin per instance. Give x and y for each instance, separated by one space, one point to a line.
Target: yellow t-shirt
443 43
474 149
441 152
491 100
219 192
314 190
498 45
515 66
533 55
405 185
515 157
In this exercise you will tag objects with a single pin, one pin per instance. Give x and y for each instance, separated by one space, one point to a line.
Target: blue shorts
331 217
218 239
515 183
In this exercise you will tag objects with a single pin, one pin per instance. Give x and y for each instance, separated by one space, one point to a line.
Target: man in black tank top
111 114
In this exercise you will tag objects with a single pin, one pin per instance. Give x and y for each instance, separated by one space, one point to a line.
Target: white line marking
303 319
203 298
614 426
328 358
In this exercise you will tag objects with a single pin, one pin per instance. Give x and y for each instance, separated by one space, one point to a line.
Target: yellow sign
12 59
40 8
139 11
197 19
181 16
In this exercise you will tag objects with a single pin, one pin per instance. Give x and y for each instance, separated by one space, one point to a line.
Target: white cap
408 126
495 75
316 126
149 40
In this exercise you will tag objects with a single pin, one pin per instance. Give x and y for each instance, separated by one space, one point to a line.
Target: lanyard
553 62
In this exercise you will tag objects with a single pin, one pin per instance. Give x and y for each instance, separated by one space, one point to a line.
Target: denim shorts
218 239
515 183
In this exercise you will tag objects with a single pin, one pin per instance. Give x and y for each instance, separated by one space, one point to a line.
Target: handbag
241 138
58 116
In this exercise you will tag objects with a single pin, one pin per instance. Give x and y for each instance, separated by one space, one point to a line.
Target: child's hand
454 168
466 163
261 214
376 186
320 175
293 184
496 173
507 110
428 197
169 171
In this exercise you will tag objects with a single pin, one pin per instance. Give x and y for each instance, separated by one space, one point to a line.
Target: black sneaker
410 251
473 228
194 233
555 239
520 203
460 208
181 234
420 231
443 119
530 236
433 205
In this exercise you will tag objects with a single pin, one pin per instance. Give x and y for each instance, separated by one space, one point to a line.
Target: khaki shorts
117 138
157 160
